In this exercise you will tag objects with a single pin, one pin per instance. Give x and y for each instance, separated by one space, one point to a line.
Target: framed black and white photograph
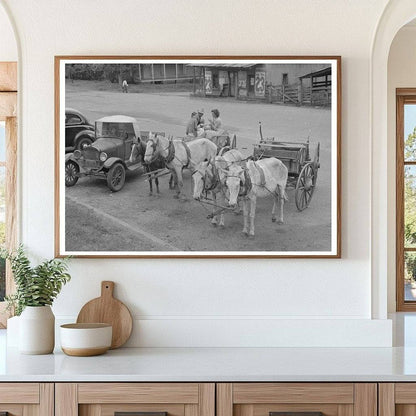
198 156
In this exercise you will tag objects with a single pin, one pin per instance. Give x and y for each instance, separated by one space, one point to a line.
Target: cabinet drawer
19 393
296 399
397 399
251 393
138 393
153 399
21 399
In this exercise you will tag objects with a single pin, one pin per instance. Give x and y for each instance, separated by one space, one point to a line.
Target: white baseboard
253 332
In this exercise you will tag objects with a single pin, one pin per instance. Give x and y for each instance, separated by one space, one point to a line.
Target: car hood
105 144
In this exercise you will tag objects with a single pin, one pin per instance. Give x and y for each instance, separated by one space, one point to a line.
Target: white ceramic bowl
83 340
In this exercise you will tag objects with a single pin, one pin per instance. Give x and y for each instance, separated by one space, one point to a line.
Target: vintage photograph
195 157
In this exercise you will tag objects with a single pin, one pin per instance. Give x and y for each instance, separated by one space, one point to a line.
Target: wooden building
285 83
161 73
316 87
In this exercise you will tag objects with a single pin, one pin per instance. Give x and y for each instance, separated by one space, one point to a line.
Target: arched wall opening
397 14
400 74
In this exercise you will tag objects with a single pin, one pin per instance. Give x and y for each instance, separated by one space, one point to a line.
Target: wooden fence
319 95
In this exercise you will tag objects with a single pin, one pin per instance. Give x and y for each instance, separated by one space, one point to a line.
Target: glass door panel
409 133
2 207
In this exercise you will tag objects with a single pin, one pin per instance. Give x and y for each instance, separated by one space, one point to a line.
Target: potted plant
36 289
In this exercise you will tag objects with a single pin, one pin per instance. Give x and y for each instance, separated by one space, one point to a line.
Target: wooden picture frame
302 92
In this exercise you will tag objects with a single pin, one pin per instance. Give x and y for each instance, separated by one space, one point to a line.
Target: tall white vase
37 330
13 331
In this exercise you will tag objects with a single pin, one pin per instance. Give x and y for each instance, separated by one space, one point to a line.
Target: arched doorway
396 14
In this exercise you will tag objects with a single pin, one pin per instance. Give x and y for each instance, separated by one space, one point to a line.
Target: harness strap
248 184
215 179
215 174
262 177
171 152
188 154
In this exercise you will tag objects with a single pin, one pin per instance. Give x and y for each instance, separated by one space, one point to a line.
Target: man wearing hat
201 121
192 126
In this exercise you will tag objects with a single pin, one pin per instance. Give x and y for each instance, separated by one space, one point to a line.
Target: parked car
108 156
78 130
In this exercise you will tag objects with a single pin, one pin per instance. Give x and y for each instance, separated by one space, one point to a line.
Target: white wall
8 47
401 74
179 302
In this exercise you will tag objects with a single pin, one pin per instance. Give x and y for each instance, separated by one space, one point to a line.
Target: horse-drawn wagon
302 168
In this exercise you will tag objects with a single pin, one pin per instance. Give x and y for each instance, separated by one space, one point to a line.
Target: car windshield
120 130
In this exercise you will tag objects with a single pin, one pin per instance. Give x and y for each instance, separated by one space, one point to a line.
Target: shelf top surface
212 365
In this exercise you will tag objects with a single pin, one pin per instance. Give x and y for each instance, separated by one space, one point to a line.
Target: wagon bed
302 169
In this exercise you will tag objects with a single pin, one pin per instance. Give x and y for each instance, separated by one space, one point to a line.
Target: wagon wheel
305 186
116 177
316 163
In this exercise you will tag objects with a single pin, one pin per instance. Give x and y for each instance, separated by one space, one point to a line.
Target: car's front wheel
116 177
71 173
82 142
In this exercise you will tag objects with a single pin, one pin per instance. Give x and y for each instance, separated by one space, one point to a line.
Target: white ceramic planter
37 330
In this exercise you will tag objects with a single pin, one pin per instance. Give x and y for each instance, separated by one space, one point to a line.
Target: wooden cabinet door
27 399
397 399
153 399
297 399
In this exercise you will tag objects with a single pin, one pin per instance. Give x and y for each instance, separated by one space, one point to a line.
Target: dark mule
138 151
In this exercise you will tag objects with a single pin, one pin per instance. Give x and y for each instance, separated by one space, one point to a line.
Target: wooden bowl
85 340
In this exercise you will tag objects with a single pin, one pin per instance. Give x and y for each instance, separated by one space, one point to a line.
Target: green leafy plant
35 286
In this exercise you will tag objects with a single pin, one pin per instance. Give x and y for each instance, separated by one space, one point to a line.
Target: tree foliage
410 205
115 73
2 234
410 146
2 278
35 286
410 191
85 71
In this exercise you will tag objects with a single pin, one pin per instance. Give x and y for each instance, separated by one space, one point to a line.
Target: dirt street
130 220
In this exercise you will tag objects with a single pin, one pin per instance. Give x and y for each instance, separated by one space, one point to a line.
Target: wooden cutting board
107 309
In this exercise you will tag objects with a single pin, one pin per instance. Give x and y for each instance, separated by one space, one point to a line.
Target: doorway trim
8 113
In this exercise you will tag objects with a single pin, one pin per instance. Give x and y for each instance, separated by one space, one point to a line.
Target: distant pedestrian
124 86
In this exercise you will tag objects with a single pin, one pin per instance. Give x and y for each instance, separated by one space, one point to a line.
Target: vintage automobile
108 156
78 130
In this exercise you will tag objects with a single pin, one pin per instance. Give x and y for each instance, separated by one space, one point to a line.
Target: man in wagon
201 120
192 127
